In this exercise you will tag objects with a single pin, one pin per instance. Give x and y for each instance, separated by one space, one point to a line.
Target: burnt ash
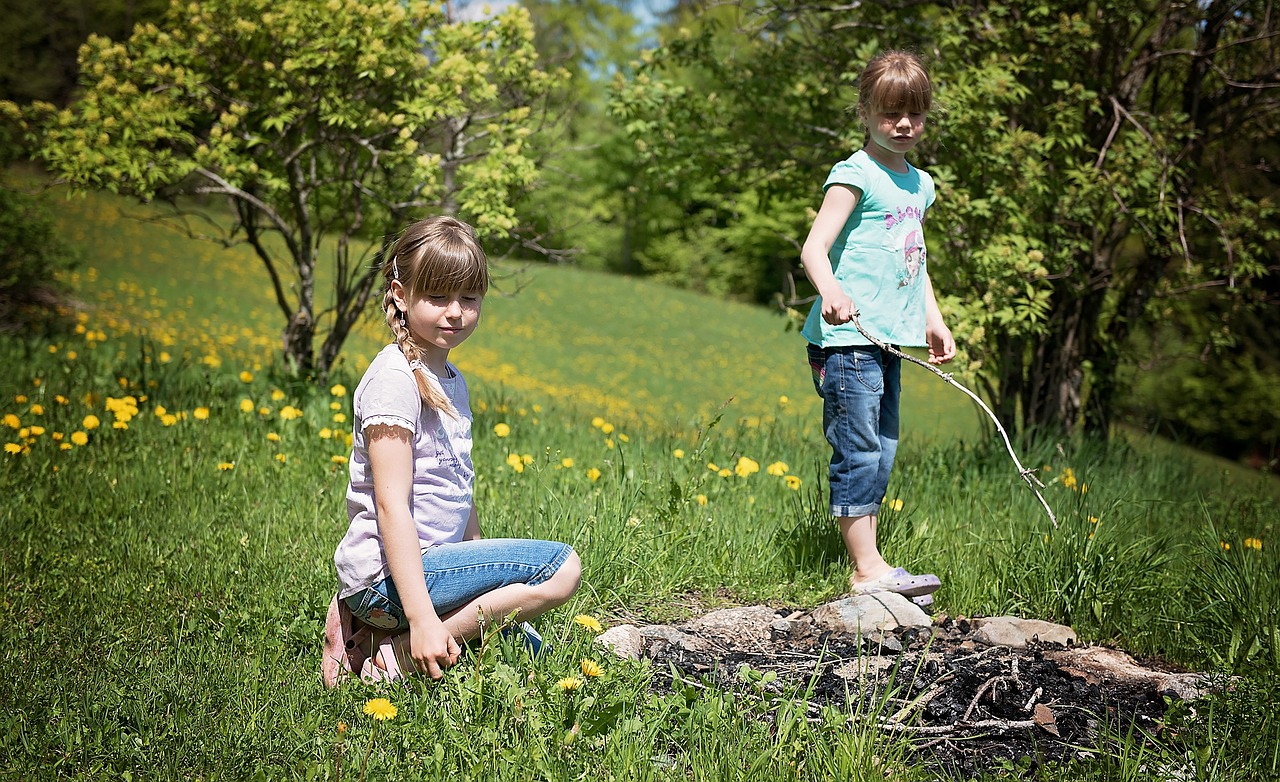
967 708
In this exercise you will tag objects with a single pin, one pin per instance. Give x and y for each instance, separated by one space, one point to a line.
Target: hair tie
395 269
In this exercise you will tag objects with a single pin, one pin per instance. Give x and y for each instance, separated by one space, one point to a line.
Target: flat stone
1098 664
736 626
1017 633
623 640
867 614
653 638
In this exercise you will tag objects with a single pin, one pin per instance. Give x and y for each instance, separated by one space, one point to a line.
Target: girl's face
440 320
893 133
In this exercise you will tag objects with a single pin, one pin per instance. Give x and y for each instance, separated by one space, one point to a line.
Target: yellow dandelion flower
60 399
895 504
289 413
20 399
588 622
623 438
516 463
57 437
326 433
246 376
165 358
338 458
200 413
12 421
119 424
566 462
1069 478
71 355
224 466
784 400
264 411
527 458
608 443
159 411
246 405
337 389
273 437
501 430
1225 545
63 447
169 419
281 458
778 469
591 669
1253 543
380 709
593 474
276 395
12 448
793 482
335 405
569 683
1093 519
607 428
746 466
36 431
37 409
339 418
597 422
678 453
701 499
725 472
713 467
91 422
24 432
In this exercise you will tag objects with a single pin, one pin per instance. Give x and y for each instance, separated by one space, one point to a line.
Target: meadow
174 500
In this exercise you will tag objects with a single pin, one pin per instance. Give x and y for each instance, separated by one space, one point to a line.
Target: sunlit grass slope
627 349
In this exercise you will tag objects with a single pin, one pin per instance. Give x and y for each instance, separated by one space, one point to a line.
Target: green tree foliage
320 123
1095 161
42 37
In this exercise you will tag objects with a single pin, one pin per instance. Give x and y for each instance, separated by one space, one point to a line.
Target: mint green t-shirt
879 257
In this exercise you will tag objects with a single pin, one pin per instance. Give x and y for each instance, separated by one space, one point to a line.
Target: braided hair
433 255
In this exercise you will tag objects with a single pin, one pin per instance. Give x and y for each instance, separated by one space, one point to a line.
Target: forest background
1105 238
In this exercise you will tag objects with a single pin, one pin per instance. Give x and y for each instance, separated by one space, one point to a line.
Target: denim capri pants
458 573
859 386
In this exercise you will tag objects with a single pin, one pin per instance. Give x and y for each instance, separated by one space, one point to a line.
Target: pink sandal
391 662
345 645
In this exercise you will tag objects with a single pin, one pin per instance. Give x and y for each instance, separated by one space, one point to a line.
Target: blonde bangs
895 82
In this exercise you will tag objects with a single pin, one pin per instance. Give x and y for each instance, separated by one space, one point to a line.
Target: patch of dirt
967 707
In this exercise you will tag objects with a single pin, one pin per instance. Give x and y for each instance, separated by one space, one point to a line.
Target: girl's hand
942 346
838 308
433 648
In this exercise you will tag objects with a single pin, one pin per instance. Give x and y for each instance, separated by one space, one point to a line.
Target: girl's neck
891 160
437 361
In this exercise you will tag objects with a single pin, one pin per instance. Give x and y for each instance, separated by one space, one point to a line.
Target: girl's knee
564 582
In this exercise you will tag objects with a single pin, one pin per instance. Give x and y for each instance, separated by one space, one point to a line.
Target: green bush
32 254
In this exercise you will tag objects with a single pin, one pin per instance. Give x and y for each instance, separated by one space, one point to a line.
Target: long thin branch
1028 475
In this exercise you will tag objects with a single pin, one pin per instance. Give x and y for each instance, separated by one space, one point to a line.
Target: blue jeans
859 386
458 573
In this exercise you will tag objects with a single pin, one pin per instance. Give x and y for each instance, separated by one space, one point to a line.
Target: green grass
164 584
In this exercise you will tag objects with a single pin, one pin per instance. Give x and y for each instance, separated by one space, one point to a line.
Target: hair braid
431 394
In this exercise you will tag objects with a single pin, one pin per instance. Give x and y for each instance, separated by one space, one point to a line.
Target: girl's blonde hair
435 255
893 81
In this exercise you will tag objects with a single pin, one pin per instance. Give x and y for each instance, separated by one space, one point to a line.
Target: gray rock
623 640
655 638
1017 633
749 625
867 614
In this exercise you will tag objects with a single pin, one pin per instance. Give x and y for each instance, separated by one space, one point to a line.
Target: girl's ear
399 296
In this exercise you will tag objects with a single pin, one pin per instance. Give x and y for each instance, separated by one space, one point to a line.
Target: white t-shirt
443 474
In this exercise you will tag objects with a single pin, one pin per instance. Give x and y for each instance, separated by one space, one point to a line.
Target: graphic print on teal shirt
879 257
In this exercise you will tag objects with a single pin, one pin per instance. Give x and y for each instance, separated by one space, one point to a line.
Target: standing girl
415 577
865 255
